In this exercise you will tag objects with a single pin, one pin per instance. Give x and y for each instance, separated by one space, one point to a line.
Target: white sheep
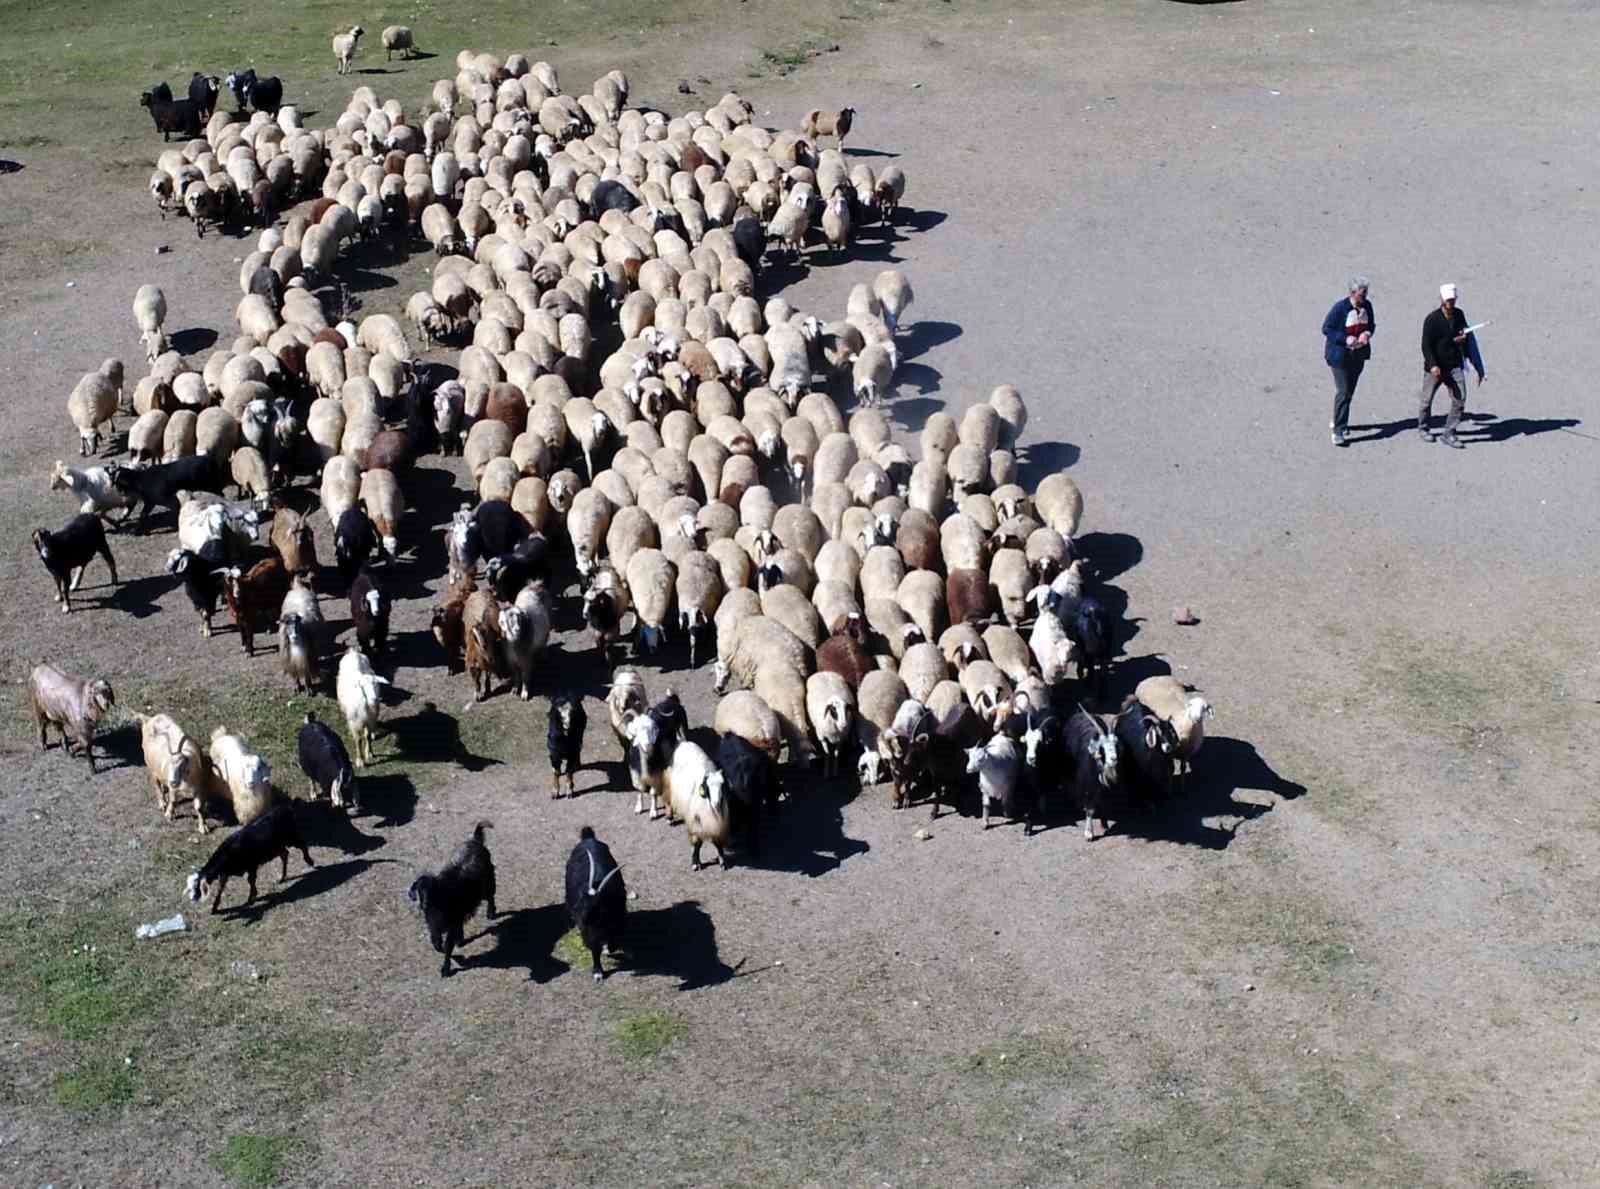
894 295
696 791
397 38
830 709
240 776
149 312
360 695
91 404
344 47
651 583
879 698
1185 709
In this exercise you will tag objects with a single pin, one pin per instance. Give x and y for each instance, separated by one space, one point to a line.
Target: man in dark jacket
1347 334
1446 346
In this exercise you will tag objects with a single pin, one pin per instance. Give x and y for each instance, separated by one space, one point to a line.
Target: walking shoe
1455 443
1424 434
1339 438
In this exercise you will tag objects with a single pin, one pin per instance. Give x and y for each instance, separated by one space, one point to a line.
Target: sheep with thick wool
696 790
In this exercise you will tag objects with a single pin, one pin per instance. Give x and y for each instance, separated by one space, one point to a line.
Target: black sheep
67 554
262 94
564 739
203 91
326 763
158 486
369 611
450 899
752 782
172 115
271 836
355 538
596 897
161 93
202 578
495 529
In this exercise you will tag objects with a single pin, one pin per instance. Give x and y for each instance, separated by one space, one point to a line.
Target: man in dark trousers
1446 347
1347 334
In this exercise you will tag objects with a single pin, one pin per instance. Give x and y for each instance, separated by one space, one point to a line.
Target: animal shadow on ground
525 937
679 942
1038 459
1224 766
376 70
432 736
1110 555
920 376
364 280
926 334
919 220
804 834
853 151
326 826
312 881
123 744
137 596
195 339
392 798
9 166
912 413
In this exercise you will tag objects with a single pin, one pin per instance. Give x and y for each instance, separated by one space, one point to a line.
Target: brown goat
481 626
294 541
256 598
448 621
72 705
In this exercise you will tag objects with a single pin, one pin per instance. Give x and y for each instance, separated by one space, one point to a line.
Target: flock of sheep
632 414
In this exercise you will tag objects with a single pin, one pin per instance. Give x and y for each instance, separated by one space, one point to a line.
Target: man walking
1347 333
1446 346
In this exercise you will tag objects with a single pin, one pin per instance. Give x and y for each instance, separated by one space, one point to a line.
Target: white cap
1447 292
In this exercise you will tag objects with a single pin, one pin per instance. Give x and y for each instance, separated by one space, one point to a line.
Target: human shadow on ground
1035 460
195 339
678 942
311 881
926 334
1474 427
324 825
524 938
804 834
1223 767
431 736
1110 555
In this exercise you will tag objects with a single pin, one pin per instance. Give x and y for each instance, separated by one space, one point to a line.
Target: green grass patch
96 1086
571 950
1031 1058
257 1160
645 1035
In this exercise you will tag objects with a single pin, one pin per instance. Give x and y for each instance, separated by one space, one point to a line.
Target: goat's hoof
599 977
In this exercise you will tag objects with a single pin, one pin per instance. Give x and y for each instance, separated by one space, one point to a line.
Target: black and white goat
355 539
326 763
271 836
201 572
1094 754
1148 750
564 740
369 612
450 898
596 897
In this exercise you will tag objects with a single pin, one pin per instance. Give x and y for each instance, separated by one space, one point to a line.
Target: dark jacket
1439 347
1335 352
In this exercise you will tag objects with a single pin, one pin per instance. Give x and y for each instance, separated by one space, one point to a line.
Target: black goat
752 782
494 529
1147 750
596 897
203 91
67 554
1092 751
161 92
326 763
172 115
261 94
528 561
369 611
158 486
671 719
450 899
271 836
355 539
202 578
564 739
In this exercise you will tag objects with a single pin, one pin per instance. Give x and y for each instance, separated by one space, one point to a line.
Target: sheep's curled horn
595 889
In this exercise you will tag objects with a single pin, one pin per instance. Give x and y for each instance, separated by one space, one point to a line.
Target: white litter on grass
174 924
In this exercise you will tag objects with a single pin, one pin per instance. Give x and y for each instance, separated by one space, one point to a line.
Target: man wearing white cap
1446 345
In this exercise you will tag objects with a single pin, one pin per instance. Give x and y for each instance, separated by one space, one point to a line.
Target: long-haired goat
596 897
450 898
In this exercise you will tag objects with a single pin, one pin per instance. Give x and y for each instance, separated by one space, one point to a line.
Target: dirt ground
1361 951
